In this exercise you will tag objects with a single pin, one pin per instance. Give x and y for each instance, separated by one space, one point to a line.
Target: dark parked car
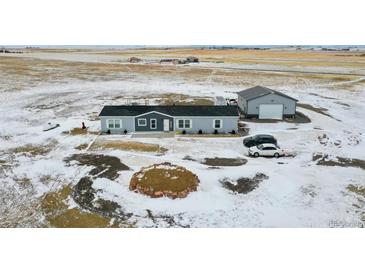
259 139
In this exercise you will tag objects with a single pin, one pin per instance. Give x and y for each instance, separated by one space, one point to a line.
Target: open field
69 177
243 56
241 67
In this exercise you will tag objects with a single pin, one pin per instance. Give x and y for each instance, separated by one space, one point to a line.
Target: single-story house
191 119
264 103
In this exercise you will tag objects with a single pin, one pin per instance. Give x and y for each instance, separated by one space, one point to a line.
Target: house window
142 122
114 123
183 123
153 123
217 123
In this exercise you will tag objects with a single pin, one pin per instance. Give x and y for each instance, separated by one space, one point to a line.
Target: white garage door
271 111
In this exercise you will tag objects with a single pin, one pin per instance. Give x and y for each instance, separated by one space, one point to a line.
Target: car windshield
260 147
262 137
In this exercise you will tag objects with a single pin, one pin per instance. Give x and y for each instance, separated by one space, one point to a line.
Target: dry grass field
236 66
243 56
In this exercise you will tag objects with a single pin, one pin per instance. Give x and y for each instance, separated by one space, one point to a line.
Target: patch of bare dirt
6 137
324 160
343 104
359 190
244 185
359 205
35 150
224 161
243 129
309 190
82 146
299 118
80 131
171 221
325 141
182 99
4 165
321 96
105 166
76 218
85 195
319 110
56 209
189 158
127 145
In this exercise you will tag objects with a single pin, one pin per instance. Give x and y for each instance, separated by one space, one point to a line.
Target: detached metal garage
264 103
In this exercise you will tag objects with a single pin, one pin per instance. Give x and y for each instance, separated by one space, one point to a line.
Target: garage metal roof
125 110
259 91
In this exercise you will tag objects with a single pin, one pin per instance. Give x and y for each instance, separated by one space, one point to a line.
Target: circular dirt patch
164 180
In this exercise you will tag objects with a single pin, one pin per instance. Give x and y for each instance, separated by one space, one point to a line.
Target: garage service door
271 111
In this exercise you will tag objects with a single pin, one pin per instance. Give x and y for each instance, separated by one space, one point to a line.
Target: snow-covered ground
298 193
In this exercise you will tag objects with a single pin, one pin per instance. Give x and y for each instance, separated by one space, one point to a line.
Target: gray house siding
127 123
197 123
254 104
206 124
159 120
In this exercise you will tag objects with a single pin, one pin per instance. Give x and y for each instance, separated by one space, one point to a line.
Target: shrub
215 131
200 131
184 131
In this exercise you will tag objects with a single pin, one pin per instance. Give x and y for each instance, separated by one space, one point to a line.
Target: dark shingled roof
170 110
258 91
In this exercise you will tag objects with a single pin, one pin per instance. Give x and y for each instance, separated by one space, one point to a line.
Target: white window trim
151 123
220 125
107 124
184 127
164 114
120 123
142 119
177 123
190 122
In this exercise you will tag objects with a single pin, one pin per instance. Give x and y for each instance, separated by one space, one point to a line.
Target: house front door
166 125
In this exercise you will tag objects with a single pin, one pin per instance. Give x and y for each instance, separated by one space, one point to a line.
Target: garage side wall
242 104
127 124
254 104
